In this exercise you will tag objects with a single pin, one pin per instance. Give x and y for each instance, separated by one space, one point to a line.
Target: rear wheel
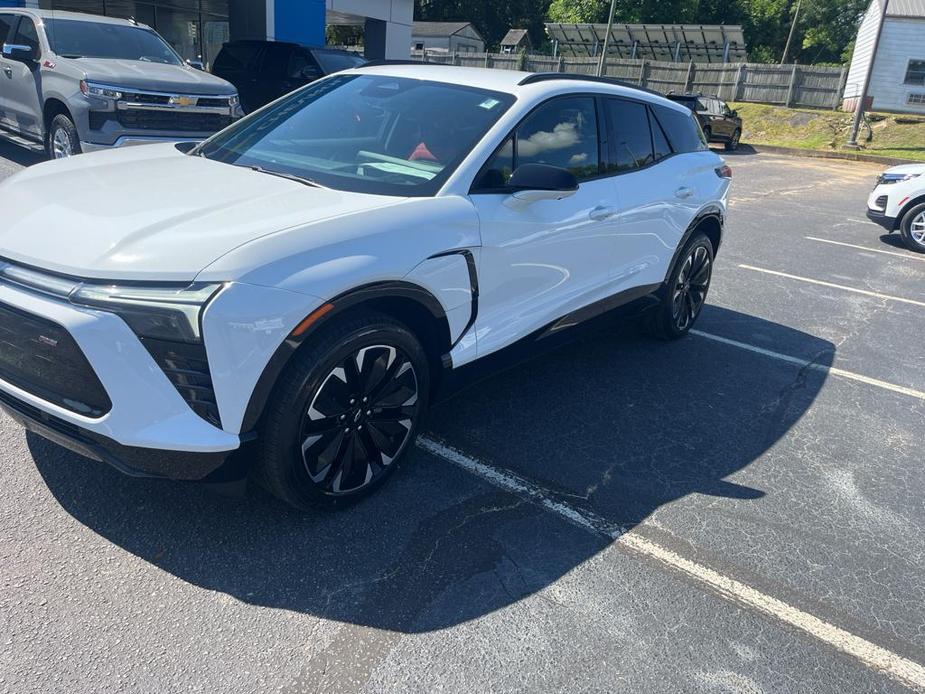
912 227
685 293
63 139
345 413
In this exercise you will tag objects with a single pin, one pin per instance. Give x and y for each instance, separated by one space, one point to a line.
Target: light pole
862 98
600 65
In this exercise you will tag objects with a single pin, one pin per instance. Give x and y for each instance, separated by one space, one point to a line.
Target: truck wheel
63 140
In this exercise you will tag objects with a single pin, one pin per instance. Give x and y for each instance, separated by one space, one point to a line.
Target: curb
816 154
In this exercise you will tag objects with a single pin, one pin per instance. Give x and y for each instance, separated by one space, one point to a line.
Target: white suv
898 202
296 286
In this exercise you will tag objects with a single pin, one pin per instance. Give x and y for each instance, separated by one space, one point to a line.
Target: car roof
74 16
508 81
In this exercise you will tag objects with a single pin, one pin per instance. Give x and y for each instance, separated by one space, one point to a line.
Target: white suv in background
296 285
898 202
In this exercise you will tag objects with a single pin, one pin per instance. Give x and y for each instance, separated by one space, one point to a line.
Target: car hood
907 169
152 77
152 213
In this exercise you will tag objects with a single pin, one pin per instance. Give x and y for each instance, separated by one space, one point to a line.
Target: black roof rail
550 76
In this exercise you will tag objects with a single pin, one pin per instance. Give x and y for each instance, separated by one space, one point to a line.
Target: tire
684 294
322 444
733 144
62 141
912 228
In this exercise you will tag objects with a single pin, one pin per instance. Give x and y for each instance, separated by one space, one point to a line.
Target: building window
419 46
915 73
916 99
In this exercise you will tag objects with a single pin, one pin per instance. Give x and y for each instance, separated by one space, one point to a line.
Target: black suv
263 71
719 122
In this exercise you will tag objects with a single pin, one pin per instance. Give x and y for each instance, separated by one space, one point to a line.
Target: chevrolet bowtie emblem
182 101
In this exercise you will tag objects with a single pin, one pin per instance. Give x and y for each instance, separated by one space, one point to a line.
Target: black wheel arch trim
915 202
709 212
390 289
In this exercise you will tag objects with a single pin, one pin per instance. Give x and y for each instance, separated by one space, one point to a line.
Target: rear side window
332 61
236 56
6 23
659 141
628 136
276 60
682 129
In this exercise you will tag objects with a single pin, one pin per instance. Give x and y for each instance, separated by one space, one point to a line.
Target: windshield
364 133
333 61
76 39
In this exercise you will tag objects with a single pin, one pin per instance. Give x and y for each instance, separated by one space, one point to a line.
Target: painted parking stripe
865 248
895 666
803 363
865 292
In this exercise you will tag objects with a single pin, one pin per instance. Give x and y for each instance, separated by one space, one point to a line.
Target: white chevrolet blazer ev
284 298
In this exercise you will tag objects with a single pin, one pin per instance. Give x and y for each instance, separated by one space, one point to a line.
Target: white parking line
833 370
865 248
865 292
895 666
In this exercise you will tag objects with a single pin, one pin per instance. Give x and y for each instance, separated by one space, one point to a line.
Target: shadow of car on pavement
614 422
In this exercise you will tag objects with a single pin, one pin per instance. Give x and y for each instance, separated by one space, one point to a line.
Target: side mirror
734 114
533 182
20 52
198 64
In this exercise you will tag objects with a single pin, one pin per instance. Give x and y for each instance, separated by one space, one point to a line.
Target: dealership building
198 28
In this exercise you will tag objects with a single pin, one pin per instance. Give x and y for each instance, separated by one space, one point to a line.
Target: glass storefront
195 28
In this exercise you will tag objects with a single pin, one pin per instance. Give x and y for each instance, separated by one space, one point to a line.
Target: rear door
23 90
7 20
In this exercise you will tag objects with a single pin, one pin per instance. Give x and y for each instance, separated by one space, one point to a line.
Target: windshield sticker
489 104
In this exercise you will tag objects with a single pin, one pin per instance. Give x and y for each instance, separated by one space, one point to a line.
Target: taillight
724 171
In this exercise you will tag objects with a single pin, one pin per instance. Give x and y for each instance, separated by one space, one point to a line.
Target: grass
902 137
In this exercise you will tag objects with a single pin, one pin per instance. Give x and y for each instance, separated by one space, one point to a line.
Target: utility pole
600 65
793 27
862 98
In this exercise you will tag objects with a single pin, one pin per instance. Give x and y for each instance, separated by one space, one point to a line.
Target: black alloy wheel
684 293
360 420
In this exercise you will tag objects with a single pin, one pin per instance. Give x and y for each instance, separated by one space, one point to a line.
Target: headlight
234 100
99 90
888 178
162 313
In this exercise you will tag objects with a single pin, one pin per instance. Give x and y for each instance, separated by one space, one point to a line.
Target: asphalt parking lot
740 511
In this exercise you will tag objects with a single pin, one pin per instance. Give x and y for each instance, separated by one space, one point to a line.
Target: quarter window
562 132
915 72
628 136
659 140
682 129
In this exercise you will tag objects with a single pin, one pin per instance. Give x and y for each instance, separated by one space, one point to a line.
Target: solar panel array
718 43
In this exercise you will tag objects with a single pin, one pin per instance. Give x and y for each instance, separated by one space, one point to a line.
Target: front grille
159 99
187 367
218 102
176 121
41 358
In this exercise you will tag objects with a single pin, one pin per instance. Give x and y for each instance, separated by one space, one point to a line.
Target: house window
915 73
916 99
419 46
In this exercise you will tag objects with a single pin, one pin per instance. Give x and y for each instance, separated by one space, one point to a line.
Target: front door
542 260
7 21
22 83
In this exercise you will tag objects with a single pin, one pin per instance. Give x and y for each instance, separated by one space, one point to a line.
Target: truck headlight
99 90
160 313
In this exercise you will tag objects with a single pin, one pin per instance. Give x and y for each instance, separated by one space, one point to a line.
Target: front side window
365 133
628 135
562 132
78 39
333 61
26 35
915 73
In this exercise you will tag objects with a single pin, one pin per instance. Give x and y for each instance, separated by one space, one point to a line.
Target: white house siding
863 53
902 40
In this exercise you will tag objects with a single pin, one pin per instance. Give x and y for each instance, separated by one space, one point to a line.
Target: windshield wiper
289 177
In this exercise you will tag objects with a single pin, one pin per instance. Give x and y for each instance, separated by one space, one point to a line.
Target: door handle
683 192
600 213
8 70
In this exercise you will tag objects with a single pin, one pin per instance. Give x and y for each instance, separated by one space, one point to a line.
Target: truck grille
176 121
41 358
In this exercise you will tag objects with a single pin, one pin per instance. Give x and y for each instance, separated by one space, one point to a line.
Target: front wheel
345 412
684 294
912 227
733 144
63 139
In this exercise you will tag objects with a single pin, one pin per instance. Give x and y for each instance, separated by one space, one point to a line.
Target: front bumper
879 217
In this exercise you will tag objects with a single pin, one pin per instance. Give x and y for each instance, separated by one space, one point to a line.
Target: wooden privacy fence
788 85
